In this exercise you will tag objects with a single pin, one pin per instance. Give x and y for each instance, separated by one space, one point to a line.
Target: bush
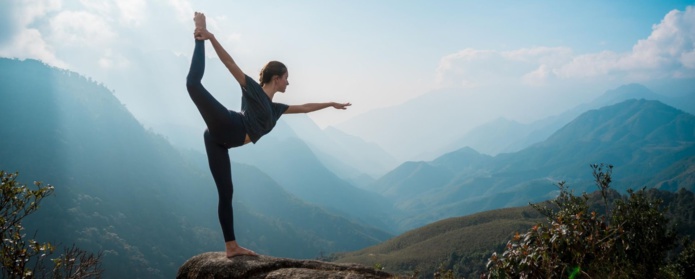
630 240
28 258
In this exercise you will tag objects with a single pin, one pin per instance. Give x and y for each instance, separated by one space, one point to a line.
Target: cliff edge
216 265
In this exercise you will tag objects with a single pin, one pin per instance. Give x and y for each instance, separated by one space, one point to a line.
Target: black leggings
225 130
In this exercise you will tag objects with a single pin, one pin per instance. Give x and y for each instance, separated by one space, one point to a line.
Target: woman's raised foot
199 19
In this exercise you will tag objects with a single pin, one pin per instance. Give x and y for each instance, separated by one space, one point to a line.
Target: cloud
183 9
669 52
30 10
110 60
670 46
80 28
18 39
100 7
132 11
475 68
129 13
30 44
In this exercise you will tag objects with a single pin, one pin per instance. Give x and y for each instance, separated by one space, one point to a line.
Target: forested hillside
648 142
464 245
126 191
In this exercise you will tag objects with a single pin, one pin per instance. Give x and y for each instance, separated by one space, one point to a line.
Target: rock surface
217 265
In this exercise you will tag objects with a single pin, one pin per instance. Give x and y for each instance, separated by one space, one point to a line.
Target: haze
521 61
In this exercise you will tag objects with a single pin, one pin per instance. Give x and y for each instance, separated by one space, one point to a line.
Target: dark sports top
260 113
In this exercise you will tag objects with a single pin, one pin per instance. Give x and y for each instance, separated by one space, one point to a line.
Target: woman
227 129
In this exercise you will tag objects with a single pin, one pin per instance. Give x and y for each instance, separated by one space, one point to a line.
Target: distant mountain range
506 136
348 156
303 191
423 123
644 139
126 191
291 162
445 120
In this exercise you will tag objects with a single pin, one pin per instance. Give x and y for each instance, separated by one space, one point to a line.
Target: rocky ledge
217 265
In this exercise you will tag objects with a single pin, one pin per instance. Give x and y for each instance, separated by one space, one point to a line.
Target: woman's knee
193 84
226 198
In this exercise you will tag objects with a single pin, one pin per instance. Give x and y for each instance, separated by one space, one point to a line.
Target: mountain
328 231
468 241
126 191
497 136
464 244
643 139
677 176
406 130
347 156
413 178
291 162
504 136
374 160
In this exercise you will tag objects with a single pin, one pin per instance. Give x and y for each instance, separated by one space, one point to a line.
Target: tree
28 258
629 241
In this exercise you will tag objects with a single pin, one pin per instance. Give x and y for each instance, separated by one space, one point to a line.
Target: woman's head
274 71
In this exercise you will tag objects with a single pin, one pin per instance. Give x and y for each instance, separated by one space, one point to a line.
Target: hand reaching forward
341 106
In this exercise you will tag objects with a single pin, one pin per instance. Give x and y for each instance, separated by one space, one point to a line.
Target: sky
374 54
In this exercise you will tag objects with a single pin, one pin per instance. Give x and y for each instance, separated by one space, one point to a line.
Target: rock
217 265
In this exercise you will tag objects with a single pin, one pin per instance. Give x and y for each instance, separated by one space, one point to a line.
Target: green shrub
28 258
630 240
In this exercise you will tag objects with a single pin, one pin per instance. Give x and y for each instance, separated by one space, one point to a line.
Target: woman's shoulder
251 84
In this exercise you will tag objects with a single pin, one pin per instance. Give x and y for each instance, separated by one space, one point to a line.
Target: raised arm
306 108
226 59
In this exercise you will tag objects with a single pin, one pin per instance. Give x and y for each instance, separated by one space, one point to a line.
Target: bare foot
200 26
233 250
199 19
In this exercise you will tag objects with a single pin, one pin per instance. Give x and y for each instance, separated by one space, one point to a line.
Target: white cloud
111 60
688 59
183 9
538 77
80 28
544 55
101 7
476 68
589 65
129 13
669 52
28 42
30 10
666 53
132 11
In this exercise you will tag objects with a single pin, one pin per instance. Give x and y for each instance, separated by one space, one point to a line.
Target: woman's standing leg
218 159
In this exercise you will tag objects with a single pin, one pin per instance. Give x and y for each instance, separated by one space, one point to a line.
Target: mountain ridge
506 136
125 190
640 138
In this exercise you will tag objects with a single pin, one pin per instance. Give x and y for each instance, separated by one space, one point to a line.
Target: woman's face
282 82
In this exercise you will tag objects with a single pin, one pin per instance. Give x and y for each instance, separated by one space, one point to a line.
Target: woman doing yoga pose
227 129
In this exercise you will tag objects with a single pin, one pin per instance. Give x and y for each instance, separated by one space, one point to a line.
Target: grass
446 242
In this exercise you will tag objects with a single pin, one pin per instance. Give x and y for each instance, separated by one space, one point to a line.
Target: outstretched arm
226 59
306 108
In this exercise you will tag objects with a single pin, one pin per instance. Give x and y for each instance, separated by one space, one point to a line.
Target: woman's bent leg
215 115
218 159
